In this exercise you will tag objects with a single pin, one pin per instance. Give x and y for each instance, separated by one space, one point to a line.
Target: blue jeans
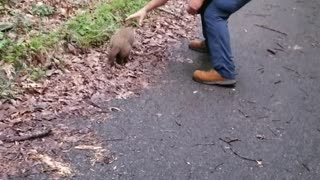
214 16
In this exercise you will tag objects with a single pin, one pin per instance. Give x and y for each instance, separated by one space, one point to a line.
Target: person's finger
141 20
130 17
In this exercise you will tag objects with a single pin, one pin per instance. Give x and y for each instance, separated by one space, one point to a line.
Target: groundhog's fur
120 46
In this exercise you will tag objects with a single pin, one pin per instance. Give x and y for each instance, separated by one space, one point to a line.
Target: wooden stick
28 137
242 157
271 29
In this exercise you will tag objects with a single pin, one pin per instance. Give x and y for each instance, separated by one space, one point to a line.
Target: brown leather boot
198 45
212 77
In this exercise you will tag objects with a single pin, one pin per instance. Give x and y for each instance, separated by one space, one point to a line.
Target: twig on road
244 114
262 117
178 123
275 120
217 166
271 29
280 45
229 141
245 158
271 51
277 82
278 49
306 167
252 102
256 14
119 139
292 70
204 144
28 137
261 70
275 134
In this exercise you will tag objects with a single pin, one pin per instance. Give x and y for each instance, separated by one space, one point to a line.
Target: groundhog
120 46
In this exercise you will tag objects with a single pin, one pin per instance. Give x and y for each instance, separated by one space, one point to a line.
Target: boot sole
220 83
199 50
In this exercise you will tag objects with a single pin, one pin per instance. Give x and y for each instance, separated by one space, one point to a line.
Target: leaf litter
54 100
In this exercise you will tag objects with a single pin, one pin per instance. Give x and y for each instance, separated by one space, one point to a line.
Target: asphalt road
267 127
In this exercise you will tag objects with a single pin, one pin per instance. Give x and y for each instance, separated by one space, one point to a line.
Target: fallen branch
278 49
275 134
273 52
229 141
215 168
271 29
245 158
292 70
28 137
119 139
205 144
243 113
89 101
277 82
306 167
280 45
179 124
260 15
262 117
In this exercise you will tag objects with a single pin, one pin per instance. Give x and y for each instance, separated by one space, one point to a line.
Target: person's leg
215 18
218 39
203 23
199 44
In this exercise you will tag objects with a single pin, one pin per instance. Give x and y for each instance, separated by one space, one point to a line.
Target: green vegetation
92 28
5 86
42 10
37 73
86 29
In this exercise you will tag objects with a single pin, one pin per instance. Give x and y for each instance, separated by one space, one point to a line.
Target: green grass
5 86
87 29
42 10
92 28
37 73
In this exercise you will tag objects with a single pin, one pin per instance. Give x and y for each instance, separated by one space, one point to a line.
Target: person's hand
194 6
141 14
191 11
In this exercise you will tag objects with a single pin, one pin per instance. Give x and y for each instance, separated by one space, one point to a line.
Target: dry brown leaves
81 89
23 16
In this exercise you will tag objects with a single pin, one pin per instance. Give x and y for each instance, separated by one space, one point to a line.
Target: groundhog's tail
113 54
